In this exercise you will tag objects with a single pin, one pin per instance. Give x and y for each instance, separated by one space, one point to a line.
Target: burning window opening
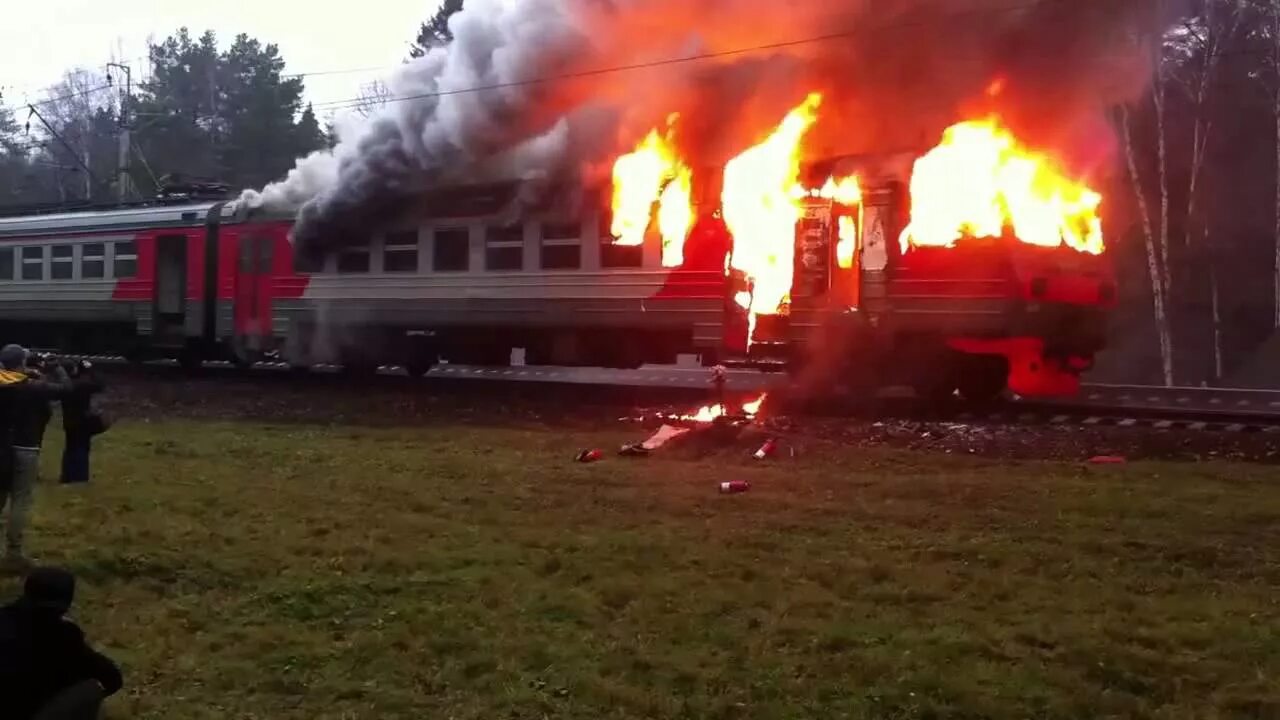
981 182
653 174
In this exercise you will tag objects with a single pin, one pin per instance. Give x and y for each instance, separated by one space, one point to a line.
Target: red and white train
201 281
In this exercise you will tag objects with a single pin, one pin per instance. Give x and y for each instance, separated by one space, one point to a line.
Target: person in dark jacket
79 421
25 397
47 670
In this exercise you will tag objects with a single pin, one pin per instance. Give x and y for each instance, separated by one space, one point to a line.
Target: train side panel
469 290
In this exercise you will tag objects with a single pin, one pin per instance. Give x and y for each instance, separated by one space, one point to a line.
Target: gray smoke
544 90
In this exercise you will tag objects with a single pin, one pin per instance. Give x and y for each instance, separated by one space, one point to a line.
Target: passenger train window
33 263
561 246
126 264
6 263
353 261
400 252
613 255
452 250
504 248
63 265
93 261
308 262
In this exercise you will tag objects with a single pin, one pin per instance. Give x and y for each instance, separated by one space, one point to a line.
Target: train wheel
982 378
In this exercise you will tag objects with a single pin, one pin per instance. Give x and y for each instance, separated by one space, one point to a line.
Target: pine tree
435 32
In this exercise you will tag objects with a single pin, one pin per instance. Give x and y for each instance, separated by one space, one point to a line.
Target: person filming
80 421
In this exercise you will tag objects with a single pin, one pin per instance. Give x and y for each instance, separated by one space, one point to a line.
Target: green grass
245 571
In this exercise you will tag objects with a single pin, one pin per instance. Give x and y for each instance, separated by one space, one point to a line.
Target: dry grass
245 571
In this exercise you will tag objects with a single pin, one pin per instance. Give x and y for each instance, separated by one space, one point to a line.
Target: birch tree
1196 48
1155 231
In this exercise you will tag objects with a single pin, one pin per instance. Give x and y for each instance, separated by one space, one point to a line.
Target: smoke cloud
549 91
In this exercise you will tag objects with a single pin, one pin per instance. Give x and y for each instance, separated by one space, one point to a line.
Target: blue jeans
75 458
21 496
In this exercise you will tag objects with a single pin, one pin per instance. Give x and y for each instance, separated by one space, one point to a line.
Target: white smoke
438 124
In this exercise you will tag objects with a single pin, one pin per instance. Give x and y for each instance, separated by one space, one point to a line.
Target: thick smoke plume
544 90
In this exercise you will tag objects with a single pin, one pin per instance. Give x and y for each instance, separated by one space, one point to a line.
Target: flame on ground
653 173
980 182
709 413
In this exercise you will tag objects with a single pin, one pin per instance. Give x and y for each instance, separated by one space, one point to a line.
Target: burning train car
974 266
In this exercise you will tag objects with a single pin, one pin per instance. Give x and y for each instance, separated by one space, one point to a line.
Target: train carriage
461 281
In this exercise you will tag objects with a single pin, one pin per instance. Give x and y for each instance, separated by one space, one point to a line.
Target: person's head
13 357
49 590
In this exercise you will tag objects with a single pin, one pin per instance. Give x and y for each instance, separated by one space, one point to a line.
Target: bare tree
1195 49
373 97
1154 265
1155 234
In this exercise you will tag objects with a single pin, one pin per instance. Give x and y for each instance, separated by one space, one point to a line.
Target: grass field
246 571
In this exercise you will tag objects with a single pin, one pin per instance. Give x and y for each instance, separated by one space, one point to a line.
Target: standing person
25 396
47 670
79 421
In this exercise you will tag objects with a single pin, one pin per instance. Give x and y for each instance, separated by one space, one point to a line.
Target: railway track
1204 409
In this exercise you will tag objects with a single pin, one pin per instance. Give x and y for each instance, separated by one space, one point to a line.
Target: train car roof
112 220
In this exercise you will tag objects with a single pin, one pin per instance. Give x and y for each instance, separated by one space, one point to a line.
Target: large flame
761 211
675 216
653 173
981 182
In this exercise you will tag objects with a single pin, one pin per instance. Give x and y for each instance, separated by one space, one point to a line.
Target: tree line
203 112
1196 205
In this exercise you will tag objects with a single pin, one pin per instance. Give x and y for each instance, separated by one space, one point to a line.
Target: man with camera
28 385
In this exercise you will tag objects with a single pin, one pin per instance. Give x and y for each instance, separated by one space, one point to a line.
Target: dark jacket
24 405
76 405
42 654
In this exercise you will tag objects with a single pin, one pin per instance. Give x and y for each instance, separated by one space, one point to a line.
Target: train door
170 300
253 306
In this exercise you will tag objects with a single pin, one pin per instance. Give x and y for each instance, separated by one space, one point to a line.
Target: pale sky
355 42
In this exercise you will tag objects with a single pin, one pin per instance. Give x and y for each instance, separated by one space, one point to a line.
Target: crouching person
47 670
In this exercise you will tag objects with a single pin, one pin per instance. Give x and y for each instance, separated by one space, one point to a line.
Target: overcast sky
53 35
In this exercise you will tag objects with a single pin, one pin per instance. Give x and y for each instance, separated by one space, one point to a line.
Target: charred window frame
33 263
308 263
451 250
62 262
93 261
561 247
353 261
6 264
504 248
613 255
125 264
400 252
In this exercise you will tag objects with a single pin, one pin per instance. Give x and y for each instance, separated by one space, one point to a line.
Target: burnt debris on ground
645 410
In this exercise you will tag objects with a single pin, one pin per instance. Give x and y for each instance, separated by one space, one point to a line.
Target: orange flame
709 413
653 173
761 211
980 181
847 244
675 216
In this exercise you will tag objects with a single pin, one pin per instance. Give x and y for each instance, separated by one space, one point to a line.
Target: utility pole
124 180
